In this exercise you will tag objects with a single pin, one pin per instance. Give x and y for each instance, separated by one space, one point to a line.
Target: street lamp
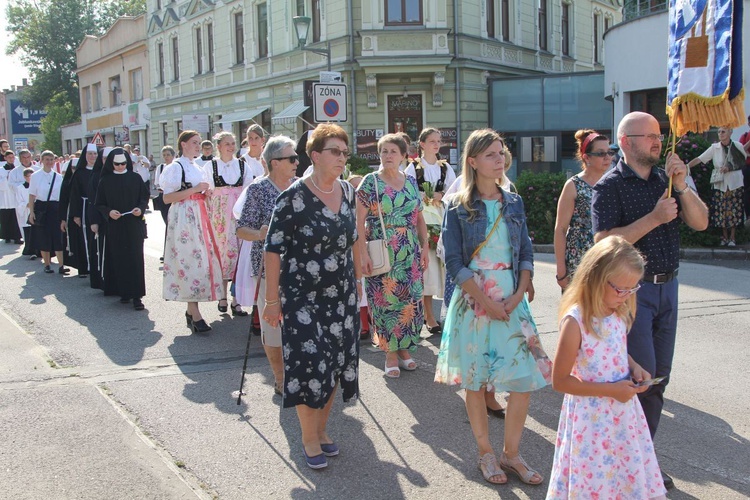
302 27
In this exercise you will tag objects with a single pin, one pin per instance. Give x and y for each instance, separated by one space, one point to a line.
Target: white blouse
733 179
255 165
229 171
171 177
432 173
40 184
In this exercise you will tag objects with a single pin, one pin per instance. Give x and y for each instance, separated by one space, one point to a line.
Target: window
505 5
164 134
86 99
596 37
239 39
178 129
652 102
136 85
403 12
300 8
115 91
490 6
199 50
79 144
97 91
160 56
262 31
68 146
210 36
175 58
565 29
158 4
542 20
315 21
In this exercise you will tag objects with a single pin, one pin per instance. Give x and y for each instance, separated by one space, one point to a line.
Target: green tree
60 112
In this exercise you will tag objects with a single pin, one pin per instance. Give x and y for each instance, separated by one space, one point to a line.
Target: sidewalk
64 437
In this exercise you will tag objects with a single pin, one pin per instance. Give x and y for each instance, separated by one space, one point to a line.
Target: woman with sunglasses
260 200
192 270
226 177
311 280
490 341
573 234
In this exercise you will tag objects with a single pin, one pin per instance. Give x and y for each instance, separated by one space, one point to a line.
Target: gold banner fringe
696 113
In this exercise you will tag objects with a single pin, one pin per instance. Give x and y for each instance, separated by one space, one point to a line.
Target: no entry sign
329 102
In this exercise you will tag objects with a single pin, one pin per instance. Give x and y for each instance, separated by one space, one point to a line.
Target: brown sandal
510 464
489 467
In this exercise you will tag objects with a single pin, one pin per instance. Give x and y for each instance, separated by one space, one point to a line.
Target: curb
685 253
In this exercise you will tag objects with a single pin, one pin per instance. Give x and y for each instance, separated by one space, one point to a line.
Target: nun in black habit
73 246
97 223
122 198
80 229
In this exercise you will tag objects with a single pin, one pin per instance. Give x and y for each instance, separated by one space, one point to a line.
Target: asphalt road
100 401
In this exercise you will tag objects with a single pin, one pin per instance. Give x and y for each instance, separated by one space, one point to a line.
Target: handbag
716 176
378 249
40 210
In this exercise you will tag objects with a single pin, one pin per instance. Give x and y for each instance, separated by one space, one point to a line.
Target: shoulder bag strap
52 184
377 198
487 239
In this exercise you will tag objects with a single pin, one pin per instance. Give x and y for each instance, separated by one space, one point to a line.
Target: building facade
21 124
407 64
113 78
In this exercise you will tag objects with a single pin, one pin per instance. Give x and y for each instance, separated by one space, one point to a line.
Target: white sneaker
731 243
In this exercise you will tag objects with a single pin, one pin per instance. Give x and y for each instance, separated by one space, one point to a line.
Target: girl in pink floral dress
603 448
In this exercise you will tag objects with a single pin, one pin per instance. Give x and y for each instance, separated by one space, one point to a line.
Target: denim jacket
461 236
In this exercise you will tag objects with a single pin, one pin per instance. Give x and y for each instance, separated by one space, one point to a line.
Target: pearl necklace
318 187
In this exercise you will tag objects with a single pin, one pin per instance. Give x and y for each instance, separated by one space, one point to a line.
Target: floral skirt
219 205
192 272
478 351
727 208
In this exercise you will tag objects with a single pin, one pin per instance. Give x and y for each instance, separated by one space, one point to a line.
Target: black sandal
48 270
237 310
434 330
223 309
200 327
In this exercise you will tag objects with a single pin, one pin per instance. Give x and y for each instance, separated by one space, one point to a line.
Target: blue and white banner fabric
705 64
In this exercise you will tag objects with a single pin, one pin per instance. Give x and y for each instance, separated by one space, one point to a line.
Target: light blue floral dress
478 351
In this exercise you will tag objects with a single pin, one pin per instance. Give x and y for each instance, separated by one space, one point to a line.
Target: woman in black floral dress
312 288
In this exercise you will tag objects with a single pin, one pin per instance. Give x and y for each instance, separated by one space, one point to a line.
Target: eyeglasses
651 137
624 292
119 164
292 158
337 151
602 154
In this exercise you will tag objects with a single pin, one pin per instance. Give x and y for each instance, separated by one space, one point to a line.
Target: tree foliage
60 112
46 33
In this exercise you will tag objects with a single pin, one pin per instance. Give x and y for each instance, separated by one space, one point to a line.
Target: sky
13 70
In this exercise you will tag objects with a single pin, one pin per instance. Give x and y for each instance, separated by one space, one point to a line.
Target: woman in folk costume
226 177
122 198
434 177
192 270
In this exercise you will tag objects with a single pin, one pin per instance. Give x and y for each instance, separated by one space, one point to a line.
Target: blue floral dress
579 237
396 296
477 351
603 447
318 293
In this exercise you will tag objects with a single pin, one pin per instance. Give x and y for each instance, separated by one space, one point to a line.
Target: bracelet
560 278
680 193
272 302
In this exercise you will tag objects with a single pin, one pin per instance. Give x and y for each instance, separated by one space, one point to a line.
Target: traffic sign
329 102
98 140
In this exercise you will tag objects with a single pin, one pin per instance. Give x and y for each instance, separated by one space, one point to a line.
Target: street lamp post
302 27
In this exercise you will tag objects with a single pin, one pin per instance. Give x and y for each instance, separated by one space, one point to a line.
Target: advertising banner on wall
24 120
367 144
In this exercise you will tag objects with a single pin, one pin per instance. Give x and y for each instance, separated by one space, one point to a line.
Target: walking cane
250 335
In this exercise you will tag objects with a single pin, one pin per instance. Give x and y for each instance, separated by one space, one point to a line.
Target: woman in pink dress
227 176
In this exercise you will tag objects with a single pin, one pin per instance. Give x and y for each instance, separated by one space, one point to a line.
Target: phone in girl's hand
649 382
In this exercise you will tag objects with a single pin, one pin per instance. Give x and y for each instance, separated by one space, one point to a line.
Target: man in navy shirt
631 201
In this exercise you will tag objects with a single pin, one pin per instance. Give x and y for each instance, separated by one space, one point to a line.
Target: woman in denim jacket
490 341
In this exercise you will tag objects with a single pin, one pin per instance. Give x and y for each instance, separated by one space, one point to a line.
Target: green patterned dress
395 297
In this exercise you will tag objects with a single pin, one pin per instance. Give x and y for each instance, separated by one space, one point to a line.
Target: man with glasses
631 201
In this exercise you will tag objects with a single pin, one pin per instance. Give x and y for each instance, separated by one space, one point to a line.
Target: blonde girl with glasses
573 234
603 445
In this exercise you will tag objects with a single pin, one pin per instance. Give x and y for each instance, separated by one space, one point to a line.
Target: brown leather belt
660 279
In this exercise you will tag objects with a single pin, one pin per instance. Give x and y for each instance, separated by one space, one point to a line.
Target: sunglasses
119 164
292 159
602 154
624 292
337 151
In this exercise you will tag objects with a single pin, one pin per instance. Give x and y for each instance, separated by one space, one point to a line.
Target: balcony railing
633 9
